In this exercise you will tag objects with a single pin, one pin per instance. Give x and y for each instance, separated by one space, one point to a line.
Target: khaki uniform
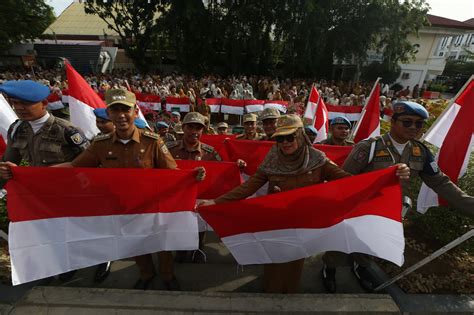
144 150
330 141
209 131
169 137
284 277
202 152
58 141
257 136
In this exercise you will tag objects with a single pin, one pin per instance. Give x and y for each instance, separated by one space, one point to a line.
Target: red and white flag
282 106
213 103
316 111
253 106
7 117
150 101
453 133
82 102
231 106
87 216
352 113
55 101
180 104
369 123
302 222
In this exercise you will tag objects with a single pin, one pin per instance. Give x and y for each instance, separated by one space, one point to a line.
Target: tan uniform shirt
421 162
144 150
330 141
202 152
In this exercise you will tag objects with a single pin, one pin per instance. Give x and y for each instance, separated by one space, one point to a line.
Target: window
441 54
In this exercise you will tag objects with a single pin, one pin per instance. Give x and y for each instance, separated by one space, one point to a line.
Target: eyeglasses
408 123
288 138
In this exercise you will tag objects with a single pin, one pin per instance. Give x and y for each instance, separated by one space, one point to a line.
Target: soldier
269 119
250 128
37 137
162 129
311 132
132 147
222 128
340 128
103 122
399 145
175 122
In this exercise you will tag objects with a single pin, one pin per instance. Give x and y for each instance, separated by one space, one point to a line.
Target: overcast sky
460 10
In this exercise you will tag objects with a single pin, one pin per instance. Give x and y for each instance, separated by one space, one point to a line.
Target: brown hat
270 112
194 118
119 96
222 125
287 125
250 117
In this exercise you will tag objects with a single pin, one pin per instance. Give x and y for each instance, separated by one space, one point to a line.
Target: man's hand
6 171
205 202
241 164
403 171
201 173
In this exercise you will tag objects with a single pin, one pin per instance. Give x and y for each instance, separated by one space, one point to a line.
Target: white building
443 40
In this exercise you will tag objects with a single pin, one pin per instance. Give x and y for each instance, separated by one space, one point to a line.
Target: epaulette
152 135
102 137
172 144
207 148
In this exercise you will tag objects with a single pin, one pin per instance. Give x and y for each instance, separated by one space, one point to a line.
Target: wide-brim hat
119 96
288 124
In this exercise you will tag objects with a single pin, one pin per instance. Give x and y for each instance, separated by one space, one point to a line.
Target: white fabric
151 105
7 117
55 105
83 117
349 116
236 110
398 146
310 111
215 108
360 234
183 108
280 107
38 123
254 108
440 129
43 248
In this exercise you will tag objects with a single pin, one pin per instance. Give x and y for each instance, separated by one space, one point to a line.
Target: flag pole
356 127
426 260
448 107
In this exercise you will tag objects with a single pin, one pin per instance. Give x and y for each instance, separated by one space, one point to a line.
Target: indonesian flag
55 102
65 96
213 103
218 142
282 106
87 216
369 124
150 101
352 113
453 133
3 145
82 102
231 106
7 117
302 222
387 114
253 106
316 111
180 104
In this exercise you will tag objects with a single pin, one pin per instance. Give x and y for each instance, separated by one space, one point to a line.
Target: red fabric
317 206
177 100
456 143
3 145
53 97
147 98
344 109
78 192
231 102
213 101
371 117
282 103
81 90
221 177
255 102
218 143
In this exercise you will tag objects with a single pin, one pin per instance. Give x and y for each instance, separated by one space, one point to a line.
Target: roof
470 22
445 22
74 21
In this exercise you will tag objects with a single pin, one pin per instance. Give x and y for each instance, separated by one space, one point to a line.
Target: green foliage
377 69
23 20
456 68
3 215
437 87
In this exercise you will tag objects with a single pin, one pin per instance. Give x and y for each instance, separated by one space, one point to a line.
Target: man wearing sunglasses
399 145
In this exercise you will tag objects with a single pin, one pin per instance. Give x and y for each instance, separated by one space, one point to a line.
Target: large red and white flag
55 101
302 222
453 133
180 104
253 106
282 106
231 106
87 216
7 117
369 123
213 103
352 113
149 101
218 142
316 111
82 102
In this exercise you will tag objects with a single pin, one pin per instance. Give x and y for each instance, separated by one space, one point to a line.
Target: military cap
270 112
161 124
194 118
311 129
222 125
140 123
287 125
409 108
341 120
119 96
101 113
250 117
175 114
25 90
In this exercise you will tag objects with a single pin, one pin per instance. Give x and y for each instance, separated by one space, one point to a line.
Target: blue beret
176 114
101 113
25 90
409 108
311 129
161 124
340 120
140 123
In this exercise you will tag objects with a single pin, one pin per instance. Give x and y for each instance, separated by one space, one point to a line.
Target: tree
23 20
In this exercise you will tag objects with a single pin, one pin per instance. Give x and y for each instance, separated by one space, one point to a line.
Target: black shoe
64 277
102 272
144 284
199 256
329 279
364 277
172 285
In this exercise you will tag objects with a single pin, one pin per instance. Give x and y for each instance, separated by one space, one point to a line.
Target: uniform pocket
51 153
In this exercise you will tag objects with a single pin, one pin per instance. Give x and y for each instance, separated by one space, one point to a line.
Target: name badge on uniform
382 153
416 151
434 166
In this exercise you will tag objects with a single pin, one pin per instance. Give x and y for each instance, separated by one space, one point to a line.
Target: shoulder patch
207 148
152 135
164 148
75 137
102 137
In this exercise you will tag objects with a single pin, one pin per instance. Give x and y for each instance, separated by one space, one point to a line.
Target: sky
460 10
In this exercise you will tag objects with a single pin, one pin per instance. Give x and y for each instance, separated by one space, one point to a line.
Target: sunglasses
408 123
288 138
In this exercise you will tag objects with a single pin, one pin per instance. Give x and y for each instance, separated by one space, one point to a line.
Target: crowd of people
44 140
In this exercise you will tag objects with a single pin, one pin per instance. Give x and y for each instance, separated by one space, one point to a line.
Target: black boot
102 272
329 279
364 277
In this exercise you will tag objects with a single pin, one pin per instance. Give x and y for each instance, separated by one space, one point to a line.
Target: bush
437 87
3 215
